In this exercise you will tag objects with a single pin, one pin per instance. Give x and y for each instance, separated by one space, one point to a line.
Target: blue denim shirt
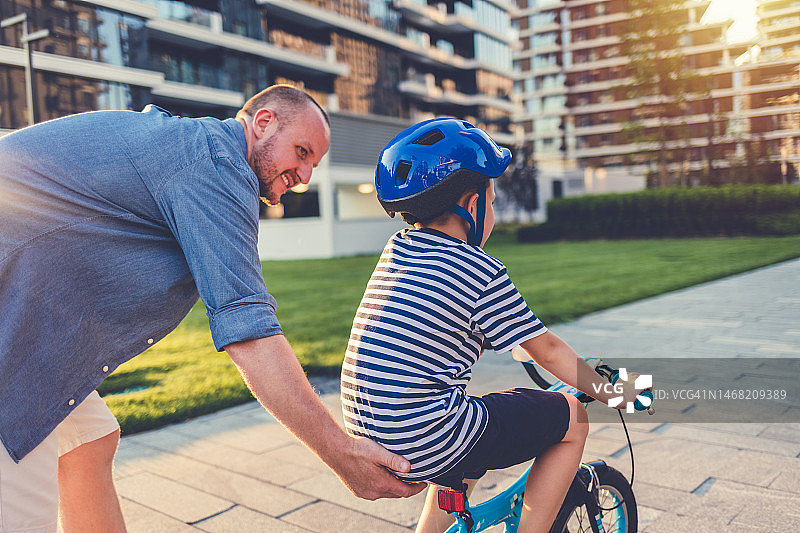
111 223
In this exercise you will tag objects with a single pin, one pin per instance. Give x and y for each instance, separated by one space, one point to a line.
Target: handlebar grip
638 405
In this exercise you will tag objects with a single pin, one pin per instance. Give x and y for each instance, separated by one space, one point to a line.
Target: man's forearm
275 377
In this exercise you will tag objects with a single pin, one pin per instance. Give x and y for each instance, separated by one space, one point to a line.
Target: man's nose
304 173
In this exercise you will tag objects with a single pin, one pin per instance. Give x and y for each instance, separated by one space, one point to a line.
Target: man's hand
365 470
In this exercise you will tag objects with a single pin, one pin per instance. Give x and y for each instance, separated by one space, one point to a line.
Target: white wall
365 236
294 238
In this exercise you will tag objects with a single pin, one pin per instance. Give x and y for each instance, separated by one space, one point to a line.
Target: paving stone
775 522
141 519
769 503
271 468
167 439
246 520
785 431
325 517
241 432
682 465
170 498
131 458
662 498
757 468
745 442
647 515
788 481
672 523
327 487
245 490
297 454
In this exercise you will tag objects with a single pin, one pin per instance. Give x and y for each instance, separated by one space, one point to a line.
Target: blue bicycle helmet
425 169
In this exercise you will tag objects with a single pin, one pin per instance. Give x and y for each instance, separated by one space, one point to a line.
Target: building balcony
767 12
316 18
597 64
132 7
786 24
522 54
538 71
197 93
431 18
554 6
545 28
84 68
541 93
593 43
202 38
780 41
597 21
424 89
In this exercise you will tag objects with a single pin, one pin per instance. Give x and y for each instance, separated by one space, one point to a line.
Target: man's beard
267 173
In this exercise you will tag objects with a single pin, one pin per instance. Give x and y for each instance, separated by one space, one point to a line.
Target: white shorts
29 489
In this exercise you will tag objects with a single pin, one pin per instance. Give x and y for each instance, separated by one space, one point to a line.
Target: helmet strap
475 234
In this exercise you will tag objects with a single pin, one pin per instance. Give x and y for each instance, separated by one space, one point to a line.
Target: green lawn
183 376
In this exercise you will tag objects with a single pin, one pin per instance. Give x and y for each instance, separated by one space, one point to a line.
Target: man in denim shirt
111 225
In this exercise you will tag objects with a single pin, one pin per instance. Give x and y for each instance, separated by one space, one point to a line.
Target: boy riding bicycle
434 300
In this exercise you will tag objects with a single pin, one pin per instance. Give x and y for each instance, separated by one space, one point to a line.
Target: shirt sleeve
212 210
502 315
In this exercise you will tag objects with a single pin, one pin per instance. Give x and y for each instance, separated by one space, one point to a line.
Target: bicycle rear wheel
613 488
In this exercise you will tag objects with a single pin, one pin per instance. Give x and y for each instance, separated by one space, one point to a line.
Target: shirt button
72 402
149 341
105 369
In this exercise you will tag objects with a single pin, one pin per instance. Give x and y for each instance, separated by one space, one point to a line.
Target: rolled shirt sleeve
211 207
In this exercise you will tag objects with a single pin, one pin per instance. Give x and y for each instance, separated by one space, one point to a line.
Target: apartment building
571 75
772 84
376 66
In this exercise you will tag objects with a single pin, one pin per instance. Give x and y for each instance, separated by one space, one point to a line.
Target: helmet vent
432 137
403 168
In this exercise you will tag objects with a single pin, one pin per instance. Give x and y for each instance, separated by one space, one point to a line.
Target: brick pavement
240 471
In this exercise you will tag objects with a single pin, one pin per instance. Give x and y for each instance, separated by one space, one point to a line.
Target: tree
518 189
662 81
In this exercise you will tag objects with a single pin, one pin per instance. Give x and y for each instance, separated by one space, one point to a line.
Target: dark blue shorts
523 423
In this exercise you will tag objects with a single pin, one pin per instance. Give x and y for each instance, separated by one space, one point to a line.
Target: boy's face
488 221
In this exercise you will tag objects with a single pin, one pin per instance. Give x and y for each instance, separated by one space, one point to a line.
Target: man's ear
263 121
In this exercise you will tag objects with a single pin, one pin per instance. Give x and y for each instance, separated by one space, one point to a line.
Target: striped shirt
432 302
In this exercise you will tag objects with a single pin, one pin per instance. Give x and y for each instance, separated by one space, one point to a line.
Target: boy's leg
552 473
433 519
88 441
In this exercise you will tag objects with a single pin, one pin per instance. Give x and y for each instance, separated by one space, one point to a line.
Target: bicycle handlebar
611 374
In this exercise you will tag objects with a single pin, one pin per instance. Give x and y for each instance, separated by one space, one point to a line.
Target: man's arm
274 376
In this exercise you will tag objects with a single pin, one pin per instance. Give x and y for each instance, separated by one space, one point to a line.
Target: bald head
285 101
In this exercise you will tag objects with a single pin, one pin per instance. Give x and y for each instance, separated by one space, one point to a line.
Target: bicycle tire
612 488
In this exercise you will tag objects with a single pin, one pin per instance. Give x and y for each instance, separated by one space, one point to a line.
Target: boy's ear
470 202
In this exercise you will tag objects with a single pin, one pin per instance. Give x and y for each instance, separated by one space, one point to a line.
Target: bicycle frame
506 507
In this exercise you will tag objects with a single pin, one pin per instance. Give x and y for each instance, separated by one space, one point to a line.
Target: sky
743 12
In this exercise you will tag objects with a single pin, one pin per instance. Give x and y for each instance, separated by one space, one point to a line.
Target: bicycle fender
583 491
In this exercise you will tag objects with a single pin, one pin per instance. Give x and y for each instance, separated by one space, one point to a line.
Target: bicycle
599 500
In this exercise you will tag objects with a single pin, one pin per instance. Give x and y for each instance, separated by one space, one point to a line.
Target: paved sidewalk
240 471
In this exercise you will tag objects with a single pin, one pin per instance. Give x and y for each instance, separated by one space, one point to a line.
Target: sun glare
743 13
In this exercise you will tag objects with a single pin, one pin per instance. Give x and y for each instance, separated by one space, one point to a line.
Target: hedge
692 212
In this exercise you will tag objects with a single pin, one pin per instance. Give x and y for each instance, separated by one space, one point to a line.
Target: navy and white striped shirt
430 305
